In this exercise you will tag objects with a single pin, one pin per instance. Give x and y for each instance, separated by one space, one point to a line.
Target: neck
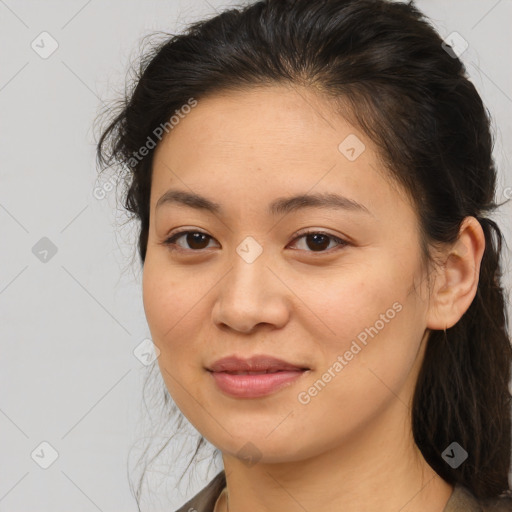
379 469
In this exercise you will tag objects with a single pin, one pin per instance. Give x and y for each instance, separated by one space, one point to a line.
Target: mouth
255 384
255 377
254 365
263 372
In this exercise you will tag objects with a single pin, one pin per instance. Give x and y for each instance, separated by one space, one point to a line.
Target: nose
251 294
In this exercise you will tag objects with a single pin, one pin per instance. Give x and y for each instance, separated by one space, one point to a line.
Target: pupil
317 245
193 238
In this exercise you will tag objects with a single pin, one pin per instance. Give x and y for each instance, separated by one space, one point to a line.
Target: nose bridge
248 293
247 281
248 269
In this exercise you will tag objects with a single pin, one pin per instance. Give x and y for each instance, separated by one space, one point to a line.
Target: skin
351 447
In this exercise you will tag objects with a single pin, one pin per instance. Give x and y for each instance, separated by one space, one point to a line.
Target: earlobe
456 280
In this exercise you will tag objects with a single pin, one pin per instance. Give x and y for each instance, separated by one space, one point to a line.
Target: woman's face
353 312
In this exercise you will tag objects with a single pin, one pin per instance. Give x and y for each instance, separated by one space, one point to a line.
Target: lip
254 385
254 363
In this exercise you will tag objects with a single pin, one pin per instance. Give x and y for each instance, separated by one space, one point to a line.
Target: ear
457 278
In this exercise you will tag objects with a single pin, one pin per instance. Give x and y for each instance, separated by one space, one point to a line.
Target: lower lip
253 386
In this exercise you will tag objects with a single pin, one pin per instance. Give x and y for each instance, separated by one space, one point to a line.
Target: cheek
343 305
157 296
166 305
168 302
366 363
370 319
175 311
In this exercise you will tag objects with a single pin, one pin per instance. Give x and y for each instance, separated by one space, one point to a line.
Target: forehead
265 141
274 119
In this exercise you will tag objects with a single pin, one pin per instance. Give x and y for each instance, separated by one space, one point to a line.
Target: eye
317 241
195 239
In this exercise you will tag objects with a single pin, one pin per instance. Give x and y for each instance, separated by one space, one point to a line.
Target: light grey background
69 326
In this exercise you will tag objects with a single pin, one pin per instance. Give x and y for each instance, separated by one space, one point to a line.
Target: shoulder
205 499
463 500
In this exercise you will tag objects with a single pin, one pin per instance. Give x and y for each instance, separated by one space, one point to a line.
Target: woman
320 275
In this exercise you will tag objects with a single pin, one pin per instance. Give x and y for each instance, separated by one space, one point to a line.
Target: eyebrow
281 205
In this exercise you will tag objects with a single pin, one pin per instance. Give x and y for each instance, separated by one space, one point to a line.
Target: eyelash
171 241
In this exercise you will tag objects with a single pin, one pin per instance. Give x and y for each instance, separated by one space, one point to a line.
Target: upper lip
254 363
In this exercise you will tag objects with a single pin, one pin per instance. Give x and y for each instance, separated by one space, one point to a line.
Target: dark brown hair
413 98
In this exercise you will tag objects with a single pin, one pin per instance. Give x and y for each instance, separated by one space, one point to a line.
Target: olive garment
461 499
